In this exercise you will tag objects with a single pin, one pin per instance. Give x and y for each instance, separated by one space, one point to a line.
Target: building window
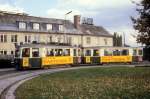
5 52
12 52
49 26
1 52
55 27
69 40
13 38
60 27
105 41
27 39
36 26
88 40
59 39
3 38
37 38
22 25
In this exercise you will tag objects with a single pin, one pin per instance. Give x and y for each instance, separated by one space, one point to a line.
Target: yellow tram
100 55
45 56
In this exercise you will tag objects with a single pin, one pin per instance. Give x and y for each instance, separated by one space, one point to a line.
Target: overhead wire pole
65 26
124 39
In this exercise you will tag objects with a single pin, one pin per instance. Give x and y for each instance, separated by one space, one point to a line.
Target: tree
117 40
142 22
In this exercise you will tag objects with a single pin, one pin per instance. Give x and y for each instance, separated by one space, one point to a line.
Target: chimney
77 21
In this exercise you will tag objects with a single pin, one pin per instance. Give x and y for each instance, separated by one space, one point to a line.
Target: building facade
16 29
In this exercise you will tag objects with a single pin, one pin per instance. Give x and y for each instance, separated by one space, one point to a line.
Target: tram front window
35 52
26 52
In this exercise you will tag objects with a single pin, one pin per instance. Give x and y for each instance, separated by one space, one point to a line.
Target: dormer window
36 26
22 25
55 27
49 27
60 27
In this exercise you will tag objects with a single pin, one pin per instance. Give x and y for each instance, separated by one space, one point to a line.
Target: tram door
35 60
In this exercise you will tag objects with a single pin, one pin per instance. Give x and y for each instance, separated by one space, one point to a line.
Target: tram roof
46 46
120 47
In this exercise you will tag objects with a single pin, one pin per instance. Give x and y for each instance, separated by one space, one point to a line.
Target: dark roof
94 30
8 22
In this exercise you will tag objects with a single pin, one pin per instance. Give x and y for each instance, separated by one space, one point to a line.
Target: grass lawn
93 83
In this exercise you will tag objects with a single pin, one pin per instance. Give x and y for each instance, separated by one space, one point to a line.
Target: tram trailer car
46 56
100 55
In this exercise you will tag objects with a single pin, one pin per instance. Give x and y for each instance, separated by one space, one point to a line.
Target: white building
16 29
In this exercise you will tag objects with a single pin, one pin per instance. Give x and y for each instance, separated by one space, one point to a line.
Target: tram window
35 52
107 52
67 52
125 52
134 52
26 52
74 52
116 53
88 53
140 52
95 52
56 52
50 52
59 52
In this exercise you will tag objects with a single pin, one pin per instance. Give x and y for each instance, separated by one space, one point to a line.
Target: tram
47 56
100 55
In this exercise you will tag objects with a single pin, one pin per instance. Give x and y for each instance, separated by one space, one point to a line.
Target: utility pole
65 39
124 39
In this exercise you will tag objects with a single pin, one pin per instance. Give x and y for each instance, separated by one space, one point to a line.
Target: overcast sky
114 15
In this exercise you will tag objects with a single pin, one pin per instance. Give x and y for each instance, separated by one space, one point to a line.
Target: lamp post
65 26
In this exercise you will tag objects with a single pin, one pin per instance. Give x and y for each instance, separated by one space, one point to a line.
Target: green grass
94 83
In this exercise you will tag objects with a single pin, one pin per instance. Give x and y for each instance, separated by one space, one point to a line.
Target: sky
113 15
